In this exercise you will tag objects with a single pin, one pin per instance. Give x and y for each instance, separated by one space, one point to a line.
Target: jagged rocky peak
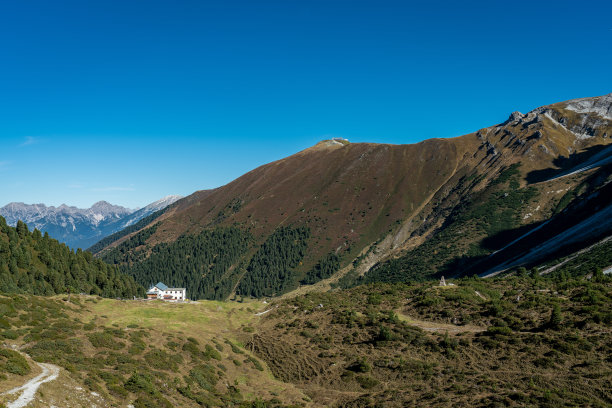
105 206
593 108
583 118
100 205
593 119
599 105
515 117
66 209
525 119
79 227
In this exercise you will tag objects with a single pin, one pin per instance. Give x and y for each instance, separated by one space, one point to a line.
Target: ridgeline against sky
131 101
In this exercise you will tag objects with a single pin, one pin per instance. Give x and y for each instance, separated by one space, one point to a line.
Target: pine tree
31 263
22 229
556 318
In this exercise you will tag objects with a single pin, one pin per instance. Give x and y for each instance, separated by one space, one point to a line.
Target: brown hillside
348 195
352 195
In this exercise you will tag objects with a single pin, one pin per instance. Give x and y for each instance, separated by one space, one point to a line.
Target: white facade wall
174 293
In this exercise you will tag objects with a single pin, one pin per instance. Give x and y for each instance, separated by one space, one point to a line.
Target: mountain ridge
79 227
372 203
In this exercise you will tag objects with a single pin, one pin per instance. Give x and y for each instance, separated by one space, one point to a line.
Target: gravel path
263 313
28 390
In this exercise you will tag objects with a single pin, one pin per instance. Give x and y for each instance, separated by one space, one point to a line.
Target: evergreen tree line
125 252
272 268
209 264
33 263
325 268
200 263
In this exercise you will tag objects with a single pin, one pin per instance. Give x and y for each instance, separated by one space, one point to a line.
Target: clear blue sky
128 101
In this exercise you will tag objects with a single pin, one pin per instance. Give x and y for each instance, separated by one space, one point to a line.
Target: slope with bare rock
384 212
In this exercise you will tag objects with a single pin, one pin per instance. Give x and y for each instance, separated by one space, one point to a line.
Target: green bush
10 334
161 360
385 334
193 349
204 376
136 348
118 391
366 381
375 299
555 317
235 348
55 351
13 362
106 340
147 401
210 352
4 324
499 331
255 363
360 366
140 382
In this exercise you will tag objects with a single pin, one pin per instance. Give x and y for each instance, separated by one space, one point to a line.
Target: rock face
79 228
601 106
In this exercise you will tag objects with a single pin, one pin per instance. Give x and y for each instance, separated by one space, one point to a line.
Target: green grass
175 317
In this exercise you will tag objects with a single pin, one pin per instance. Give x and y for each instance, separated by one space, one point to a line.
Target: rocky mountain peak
75 226
514 117
104 206
101 205
575 124
599 105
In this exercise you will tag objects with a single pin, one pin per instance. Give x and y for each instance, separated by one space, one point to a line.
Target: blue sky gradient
129 101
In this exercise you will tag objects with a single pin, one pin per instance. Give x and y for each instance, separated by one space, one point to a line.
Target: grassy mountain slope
440 202
510 342
518 341
148 354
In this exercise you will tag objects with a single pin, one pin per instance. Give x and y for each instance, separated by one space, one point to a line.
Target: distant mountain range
533 188
80 228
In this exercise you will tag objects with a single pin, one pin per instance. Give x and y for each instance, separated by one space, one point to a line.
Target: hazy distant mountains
137 215
80 228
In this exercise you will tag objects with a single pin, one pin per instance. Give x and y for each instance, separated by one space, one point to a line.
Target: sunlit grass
195 317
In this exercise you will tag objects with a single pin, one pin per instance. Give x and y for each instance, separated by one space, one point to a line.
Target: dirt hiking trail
28 390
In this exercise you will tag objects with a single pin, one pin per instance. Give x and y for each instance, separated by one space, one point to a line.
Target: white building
163 292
